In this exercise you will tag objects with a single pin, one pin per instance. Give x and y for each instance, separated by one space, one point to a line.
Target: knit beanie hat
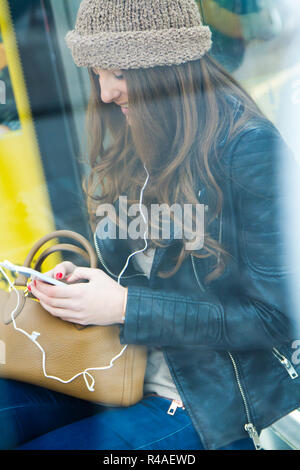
125 34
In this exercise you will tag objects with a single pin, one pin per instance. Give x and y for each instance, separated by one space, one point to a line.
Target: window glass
44 99
9 118
258 42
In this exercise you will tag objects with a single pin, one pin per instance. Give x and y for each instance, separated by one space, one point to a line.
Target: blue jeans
36 418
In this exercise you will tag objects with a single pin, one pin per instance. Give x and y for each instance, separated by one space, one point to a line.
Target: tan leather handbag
47 351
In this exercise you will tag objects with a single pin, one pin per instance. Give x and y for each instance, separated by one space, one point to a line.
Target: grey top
158 379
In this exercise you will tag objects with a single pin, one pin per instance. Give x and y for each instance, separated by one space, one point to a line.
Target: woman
214 317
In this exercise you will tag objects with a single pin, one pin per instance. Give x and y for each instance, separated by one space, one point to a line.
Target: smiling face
113 88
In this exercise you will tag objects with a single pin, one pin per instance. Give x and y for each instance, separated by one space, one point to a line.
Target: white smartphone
28 272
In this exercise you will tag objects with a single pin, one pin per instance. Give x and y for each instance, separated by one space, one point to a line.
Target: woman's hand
98 302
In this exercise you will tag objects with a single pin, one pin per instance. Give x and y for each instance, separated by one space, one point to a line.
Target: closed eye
119 77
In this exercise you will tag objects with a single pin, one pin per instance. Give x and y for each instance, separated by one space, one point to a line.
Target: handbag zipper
104 264
249 426
286 363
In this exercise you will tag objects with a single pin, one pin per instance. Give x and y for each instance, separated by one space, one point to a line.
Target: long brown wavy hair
178 114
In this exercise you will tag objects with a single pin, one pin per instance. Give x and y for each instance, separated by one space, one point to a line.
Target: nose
109 90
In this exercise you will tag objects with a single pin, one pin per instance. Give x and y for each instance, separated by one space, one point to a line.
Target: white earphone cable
146 231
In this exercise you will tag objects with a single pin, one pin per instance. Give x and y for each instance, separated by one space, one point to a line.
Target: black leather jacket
228 344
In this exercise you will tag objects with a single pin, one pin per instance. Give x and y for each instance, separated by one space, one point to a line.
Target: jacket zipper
286 363
105 266
249 426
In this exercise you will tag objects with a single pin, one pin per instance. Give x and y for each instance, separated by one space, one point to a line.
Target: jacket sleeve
255 316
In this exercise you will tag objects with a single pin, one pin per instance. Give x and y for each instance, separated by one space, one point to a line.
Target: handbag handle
89 252
59 247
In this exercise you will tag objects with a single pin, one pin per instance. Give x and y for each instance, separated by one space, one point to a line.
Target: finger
63 269
70 292
83 273
61 303
62 313
50 291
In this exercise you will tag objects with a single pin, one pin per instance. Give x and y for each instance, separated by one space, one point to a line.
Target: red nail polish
34 282
59 275
29 288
